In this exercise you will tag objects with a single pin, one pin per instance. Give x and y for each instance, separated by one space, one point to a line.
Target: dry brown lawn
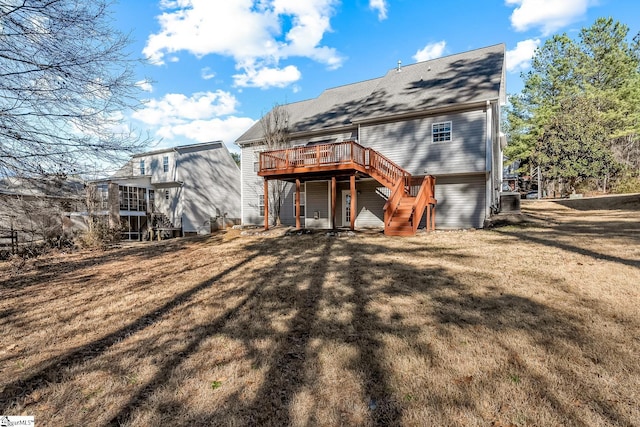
533 324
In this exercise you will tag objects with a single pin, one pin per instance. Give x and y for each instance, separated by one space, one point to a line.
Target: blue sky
215 66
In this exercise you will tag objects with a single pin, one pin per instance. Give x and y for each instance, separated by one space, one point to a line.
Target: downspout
489 194
241 187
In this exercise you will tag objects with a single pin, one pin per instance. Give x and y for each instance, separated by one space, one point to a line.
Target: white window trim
256 157
261 205
449 122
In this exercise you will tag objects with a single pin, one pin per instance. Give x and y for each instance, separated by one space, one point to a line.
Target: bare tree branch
66 80
275 129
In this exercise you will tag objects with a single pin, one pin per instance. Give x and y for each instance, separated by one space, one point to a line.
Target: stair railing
424 198
397 193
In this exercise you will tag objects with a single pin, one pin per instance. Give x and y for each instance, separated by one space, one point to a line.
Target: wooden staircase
403 210
401 221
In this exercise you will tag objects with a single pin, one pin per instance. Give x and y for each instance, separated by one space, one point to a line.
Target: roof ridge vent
399 69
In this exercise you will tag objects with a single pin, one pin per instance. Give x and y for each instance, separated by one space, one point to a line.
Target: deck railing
318 157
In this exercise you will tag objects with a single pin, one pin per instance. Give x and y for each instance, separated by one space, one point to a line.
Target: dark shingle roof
464 78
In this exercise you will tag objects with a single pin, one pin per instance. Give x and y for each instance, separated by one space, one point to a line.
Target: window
256 159
166 194
141 167
441 132
141 199
131 198
261 204
102 197
302 200
165 163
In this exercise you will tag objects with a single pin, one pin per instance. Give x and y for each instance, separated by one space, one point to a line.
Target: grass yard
534 324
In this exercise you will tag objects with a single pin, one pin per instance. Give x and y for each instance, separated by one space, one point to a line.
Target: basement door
346 208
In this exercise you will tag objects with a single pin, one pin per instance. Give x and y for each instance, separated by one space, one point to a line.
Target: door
346 208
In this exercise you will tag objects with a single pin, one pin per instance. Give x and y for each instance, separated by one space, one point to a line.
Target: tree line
578 115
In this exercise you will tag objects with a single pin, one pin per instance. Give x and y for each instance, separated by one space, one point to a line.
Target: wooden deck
340 156
403 210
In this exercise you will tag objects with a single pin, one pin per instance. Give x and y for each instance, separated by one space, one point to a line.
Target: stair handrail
424 197
386 167
393 201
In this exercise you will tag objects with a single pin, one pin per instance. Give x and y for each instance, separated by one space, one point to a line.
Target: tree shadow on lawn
293 363
294 287
559 334
52 370
49 268
293 284
560 235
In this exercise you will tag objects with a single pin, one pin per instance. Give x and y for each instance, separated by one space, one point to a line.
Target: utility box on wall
510 202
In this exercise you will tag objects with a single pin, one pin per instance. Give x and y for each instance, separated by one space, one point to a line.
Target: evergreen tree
578 115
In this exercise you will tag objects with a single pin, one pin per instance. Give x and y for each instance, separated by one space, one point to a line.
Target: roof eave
428 111
303 134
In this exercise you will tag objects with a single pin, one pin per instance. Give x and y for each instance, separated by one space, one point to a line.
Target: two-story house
180 190
388 152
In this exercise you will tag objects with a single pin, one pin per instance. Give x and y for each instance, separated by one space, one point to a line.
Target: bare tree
275 129
65 81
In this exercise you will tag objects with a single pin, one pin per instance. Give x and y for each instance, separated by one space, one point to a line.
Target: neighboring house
365 148
35 210
182 190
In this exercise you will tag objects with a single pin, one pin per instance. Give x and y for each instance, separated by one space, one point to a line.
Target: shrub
629 183
99 234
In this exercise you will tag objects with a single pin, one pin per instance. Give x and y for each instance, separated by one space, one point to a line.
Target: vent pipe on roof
399 66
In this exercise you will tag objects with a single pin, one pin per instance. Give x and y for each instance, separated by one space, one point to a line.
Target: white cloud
203 116
381 7
253 32
176 107
548 15
519 59
207 74
145 85
268 77
228 129
430 51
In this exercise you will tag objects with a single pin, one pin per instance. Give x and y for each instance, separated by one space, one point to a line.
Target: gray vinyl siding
154 165
328 138
211 188
408 143
318 201
370 199
252 188
287 214
461 201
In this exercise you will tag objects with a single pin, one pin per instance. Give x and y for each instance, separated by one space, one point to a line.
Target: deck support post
297 203
433 218
333 202
352 208
266 204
